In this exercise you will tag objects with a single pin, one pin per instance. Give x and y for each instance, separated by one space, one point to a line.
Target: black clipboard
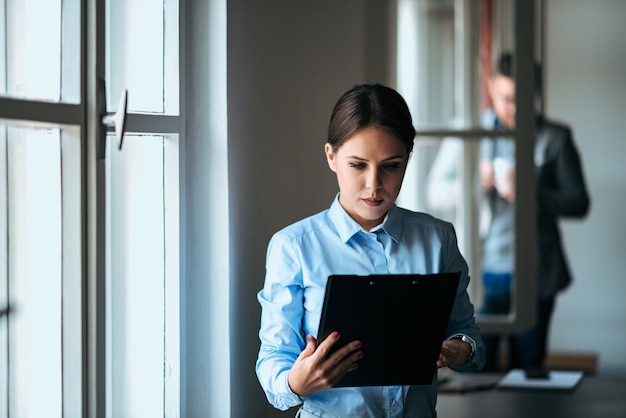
401 320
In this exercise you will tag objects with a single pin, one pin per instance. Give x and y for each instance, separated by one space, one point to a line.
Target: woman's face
370 167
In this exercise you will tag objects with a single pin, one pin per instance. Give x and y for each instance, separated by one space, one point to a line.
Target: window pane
445 55
445 59
142 275
40 272
34 35
142 54
472 185
4 279
72 314
34 63
426 64
35 272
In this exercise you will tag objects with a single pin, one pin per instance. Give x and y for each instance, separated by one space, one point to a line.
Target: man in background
560 192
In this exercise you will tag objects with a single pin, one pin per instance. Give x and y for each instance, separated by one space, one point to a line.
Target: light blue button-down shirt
299 260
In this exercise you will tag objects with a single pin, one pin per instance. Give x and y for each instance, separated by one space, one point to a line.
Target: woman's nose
374 180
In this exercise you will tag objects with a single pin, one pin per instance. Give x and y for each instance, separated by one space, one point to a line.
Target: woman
370 139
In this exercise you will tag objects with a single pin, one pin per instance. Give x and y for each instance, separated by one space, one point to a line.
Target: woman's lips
372 201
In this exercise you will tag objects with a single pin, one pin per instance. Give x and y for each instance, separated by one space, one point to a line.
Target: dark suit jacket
561 192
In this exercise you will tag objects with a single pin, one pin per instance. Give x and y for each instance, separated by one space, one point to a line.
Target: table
593 397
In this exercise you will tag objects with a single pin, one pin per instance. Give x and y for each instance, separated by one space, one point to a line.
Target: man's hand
453 353
506 185
316 370
487 177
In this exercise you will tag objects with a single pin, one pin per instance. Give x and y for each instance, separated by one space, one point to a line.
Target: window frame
97 397
524 293
84 205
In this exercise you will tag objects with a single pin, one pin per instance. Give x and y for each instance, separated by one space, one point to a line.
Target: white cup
502 170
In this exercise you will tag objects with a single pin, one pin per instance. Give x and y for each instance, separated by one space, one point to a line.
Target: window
40 277
89 254
41 345
142 216
445 55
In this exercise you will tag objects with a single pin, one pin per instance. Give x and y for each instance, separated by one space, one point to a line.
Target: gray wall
586 86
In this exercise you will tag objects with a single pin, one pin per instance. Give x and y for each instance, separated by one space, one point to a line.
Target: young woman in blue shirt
370 140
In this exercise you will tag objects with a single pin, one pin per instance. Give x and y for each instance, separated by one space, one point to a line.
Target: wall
288 62
586 86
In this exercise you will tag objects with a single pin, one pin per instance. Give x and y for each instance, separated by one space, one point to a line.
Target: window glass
34 66
472 185
446 53
55 336
142 54
446 50
4 278
41 341
142 220
142 261
33 162
426 61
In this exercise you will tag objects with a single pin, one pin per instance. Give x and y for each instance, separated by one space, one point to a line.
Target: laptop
401 320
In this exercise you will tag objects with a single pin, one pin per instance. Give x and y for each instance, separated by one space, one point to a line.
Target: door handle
106 120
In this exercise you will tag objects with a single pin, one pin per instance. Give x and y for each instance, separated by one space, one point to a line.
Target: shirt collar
347 227
392 224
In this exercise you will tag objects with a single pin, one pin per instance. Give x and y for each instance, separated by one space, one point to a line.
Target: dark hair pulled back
371 105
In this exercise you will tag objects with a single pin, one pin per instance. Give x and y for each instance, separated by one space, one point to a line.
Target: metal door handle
116 120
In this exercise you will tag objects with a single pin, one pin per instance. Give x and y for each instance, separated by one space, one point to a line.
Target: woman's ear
330 156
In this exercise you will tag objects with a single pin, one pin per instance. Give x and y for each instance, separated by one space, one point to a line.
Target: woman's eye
392 166
358 166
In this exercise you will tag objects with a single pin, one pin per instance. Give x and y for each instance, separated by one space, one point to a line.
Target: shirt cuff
291 397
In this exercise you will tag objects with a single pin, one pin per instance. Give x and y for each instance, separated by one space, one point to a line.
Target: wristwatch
465 339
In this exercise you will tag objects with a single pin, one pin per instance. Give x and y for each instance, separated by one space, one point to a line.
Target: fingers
452 354
321 368
326 346
338 361
353 360
347 358
444 356
309 349
341 353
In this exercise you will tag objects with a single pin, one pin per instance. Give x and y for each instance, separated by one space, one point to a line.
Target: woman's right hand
316 370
